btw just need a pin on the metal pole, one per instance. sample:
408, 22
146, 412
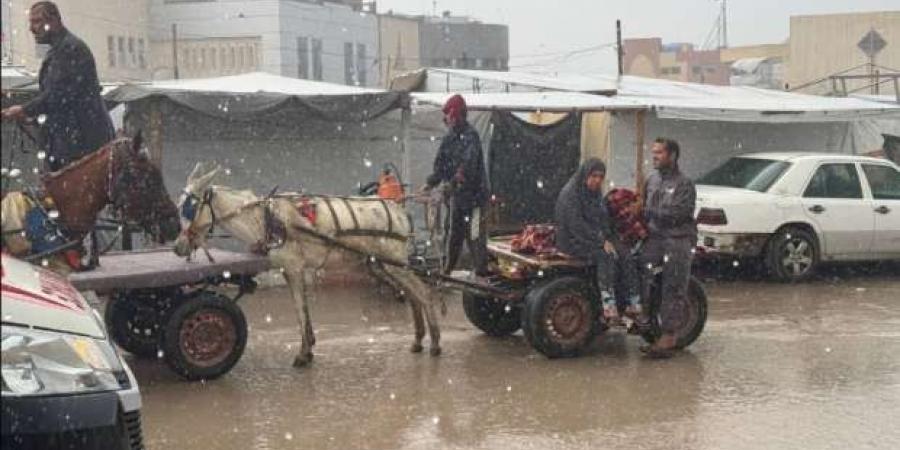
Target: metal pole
619, 50
639, 153
175, 50
724, 24
405, 119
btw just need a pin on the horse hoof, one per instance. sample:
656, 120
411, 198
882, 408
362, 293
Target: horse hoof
303, 361
416, 348
435, 351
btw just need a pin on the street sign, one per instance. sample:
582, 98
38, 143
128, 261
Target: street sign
872, 43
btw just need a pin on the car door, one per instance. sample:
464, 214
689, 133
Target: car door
834, 201
884, 184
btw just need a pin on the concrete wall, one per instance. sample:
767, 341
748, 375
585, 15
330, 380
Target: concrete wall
732, 54
95, 22
212, 57
826, 44
398, 39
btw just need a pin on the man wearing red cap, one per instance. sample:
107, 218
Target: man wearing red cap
460, 163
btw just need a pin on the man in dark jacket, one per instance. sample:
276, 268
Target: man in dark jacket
669, 200
585, 231
68, 106
460, 163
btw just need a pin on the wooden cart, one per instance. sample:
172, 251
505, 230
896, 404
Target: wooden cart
162, 306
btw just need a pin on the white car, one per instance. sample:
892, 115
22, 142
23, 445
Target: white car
795, 210
64, 384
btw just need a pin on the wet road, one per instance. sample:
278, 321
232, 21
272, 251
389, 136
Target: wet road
813, 366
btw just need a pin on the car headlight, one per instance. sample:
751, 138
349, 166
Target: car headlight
45, 363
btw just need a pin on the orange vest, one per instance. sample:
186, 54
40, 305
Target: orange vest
390, 188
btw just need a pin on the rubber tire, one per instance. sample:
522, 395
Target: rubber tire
697, 296
491, 316
774, 250
120, 310
534, 317
173, 355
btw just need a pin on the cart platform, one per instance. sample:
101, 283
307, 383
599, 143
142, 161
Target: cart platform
161, 267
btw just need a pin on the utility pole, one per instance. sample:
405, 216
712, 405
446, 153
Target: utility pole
175, 50
619, 51
723, 40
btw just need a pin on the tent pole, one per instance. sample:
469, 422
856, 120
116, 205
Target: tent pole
405, 119
156, 125
639, 153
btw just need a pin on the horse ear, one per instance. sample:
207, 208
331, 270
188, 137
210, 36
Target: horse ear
205, 180
194, 173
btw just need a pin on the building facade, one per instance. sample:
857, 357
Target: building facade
318, 40
651, 58
117, 32
398, 42
460, 42
824, 45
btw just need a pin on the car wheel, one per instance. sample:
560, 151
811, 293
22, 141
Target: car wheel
792, 254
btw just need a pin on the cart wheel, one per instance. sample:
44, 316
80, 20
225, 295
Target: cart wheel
560, 317
134, 320
695, 315
205, 336
495, 317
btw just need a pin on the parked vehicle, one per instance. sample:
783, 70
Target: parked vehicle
795, 211
64, 385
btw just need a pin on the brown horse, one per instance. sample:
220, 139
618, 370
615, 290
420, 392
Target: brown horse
119, 174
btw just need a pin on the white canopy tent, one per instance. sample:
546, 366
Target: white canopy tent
712, 122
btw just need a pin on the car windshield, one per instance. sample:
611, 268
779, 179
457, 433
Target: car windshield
755, 174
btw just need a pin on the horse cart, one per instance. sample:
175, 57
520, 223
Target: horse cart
554, 299
162, 306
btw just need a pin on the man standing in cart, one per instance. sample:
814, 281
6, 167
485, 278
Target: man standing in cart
68, 106
669, 200
460, 163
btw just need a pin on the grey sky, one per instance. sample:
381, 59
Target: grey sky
539, 27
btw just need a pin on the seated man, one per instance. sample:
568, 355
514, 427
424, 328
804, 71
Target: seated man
585, 231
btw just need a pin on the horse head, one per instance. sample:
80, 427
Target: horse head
139, 193
195, 210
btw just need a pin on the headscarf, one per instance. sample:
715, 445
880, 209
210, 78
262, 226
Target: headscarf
456, 107
590, 202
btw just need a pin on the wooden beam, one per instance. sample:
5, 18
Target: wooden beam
155, 136
640, 124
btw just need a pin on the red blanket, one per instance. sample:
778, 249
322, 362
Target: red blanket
535, 239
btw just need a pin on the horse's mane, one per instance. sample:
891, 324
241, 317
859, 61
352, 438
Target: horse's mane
86, 159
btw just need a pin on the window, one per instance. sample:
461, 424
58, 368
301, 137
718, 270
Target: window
834, 181
710, 70
111, 51
755, 174
231, 58
121, 52
131, 53
142, 58
884, 181
222, 58
317, 59
303, 57
212, 58
203, 62
251, 57
696, 70
240, 58
361, 64
185, 59
349, 74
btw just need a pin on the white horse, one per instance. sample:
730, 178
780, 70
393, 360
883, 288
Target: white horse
372, 229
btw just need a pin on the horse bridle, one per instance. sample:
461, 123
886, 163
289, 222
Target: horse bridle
273, 229
196, 207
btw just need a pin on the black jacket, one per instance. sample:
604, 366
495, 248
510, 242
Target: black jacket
581, 218
669, 202
75, 118
460, 153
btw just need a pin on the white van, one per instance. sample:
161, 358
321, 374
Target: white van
63, 383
